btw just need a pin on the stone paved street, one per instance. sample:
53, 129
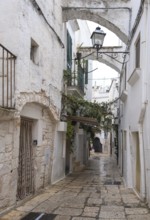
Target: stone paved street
95, 193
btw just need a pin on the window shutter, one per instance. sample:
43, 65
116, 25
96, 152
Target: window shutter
69, 51
137, 55
86, 72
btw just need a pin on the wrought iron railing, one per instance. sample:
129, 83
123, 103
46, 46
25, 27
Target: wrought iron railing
76, 78
7, 78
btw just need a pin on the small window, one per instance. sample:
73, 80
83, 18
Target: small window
137, 53
34, 51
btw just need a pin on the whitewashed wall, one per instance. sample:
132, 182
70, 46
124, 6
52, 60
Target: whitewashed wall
146, 98
23, 23
38, 88
59, 155
135, 115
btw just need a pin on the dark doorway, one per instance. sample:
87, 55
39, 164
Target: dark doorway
68, 152
97, 145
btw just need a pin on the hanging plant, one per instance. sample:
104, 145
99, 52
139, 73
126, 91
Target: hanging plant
70, 130
66, 75
78, 106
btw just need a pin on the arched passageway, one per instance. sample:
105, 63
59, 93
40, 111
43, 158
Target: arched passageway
102, 13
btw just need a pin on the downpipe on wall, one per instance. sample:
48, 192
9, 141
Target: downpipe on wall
142, 157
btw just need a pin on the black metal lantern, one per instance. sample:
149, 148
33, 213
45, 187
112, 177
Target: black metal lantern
98, 38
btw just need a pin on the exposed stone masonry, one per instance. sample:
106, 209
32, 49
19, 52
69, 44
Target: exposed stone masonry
95, 193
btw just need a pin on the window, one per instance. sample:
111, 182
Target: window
34, 51
137, 53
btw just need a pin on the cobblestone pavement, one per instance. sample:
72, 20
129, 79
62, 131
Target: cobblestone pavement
95, 193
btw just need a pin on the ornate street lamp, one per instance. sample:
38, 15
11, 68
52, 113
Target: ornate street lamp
98, 38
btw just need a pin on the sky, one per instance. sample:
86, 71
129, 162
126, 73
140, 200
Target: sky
102, 76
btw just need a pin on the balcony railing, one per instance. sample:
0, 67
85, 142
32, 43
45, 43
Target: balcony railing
76, 79
7, 78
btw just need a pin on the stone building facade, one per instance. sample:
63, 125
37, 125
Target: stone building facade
132, 27
134, 105
33, 42
31, 101
32, 46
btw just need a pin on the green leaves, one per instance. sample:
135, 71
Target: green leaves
78, 106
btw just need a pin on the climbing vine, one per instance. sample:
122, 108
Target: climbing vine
78, 106
70, 130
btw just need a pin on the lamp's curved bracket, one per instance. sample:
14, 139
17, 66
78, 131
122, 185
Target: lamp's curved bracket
115, 55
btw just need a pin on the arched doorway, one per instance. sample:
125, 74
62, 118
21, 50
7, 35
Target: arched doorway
35, 149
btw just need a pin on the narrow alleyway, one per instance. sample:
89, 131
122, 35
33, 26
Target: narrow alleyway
96, 193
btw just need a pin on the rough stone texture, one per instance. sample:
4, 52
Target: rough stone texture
139, 217
41, 99
82, 218
136, 211
37, 82
112, 208
67, 204
90, 211
100, 13
92, 201
96, 3
61, 217
8, 163
102, 58
68, 211
13, 215
111, 214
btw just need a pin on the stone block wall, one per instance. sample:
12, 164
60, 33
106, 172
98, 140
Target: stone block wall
32, 20
37, 82
43, 130
44, 153
9, 137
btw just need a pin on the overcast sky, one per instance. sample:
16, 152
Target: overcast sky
103, 75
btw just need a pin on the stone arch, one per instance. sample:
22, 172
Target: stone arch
106, 18
37, 126
107, 63
39, 99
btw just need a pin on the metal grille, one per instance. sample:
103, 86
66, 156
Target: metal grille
7, 78
25, 169
76, 78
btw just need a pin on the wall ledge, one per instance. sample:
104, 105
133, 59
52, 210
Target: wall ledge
124, 95
134, 76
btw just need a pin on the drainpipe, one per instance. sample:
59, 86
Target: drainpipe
41, 13
142, 161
